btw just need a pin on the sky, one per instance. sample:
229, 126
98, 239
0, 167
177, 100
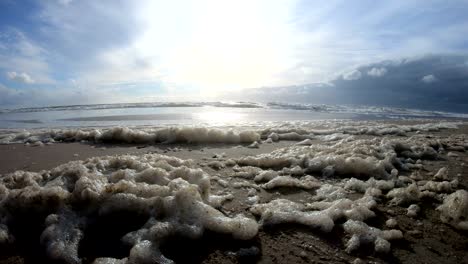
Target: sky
403, 53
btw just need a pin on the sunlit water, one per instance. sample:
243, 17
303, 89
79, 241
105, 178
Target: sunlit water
154, 116
158, 116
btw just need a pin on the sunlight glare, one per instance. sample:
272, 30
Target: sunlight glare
219, 45
219, 116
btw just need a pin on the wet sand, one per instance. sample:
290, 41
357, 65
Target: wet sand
35, 158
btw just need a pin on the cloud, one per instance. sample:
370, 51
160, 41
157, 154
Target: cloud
377, 72
428, 78
20, 77
352, 75
401, 87
176, 44
25, 56
79, 40
33, 96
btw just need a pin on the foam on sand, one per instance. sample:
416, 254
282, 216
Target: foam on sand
319, 215
306, 182
363, 234
174, 197
363, 158
454, 210
339, 176
136, 135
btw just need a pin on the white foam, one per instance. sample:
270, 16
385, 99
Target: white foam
454, 210
322, 216
305, 142
364, 234
175, 197
364, 158
442, 174
246, 172
62, 236
5, 236
136, 135
440, 187
255, 144
413, 210
110, 261
335, 130
404, 195
361, 186
391, 223
306, 182
217, 165
328, 192
265, 175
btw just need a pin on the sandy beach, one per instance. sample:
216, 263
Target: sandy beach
280, 238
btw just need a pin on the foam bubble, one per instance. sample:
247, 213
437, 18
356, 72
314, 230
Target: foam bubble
174, 196
454, 210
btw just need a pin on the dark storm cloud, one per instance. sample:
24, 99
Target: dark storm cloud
429, 82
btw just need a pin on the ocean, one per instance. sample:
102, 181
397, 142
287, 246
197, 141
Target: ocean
199, 114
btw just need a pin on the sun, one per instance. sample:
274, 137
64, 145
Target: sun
217, 46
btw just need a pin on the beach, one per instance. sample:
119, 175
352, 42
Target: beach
289, 208
168, 132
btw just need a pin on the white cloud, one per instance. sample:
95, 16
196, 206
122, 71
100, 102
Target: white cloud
429, 79
352, 75
24, 56
377, 72
20, 77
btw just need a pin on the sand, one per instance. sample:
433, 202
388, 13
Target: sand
426, 238
34, 158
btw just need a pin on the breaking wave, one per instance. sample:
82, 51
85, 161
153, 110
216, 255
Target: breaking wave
268, 132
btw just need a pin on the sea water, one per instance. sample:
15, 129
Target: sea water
163, 114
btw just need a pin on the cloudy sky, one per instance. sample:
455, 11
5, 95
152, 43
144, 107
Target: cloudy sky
78, 52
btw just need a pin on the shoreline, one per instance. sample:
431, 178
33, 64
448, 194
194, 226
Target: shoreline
36, 158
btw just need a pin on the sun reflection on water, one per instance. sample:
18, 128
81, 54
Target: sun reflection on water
220, 116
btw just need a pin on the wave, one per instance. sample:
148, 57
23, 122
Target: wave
131, 105
321, 108
330, 130
366, 110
